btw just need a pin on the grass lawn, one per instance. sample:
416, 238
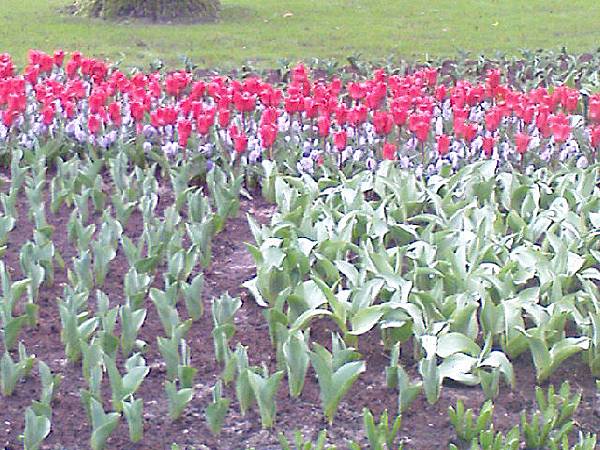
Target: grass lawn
262, 31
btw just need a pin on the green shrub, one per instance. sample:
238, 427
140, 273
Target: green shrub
155, 10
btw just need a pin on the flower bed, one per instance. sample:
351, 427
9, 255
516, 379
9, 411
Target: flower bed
354, 280
421, 120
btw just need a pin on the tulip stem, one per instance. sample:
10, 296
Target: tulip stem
523, 163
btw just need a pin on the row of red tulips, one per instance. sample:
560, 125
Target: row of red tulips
386, 116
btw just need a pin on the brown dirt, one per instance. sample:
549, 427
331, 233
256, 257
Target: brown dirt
424, 426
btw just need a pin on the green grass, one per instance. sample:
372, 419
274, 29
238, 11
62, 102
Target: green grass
263, 31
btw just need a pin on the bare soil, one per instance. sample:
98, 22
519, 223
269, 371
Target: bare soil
424, 426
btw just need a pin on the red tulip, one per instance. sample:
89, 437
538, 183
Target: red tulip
400, 115
522, 142
184, 130
440, 93
69, 110
48, 115
198, 90
383, 122
595, 136
9, 117
71, 69
560, 127
311, 108
571, 102
488, 145
137, 111
356, 90
268, 134
594, 109
244, 101
341, 114
114, 112
299, 73
224, 115
240, 143
422, 131
7, 67
323, 123
94, 124
358, 115
528, 114
292, 103
492, 120
340, 139
389, 151
204, 122
443, 144
493, 78
470, 131
59, 57
431, 76
419, 124
234, 131
269, 115
379, 75
271, 97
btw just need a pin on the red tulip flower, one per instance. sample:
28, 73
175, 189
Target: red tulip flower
204, 122
492, 120
244, 101
224, 115
571, 101
94, 124
528, 114
270, 115
595, 136
198, 90
137, 111
69, 110
48, 115
443, 144
323, 123
440, 93
358, 115
9, 117
422, 131
488, 145
268, 134
311, 108
431, 76
493, 78
356, 90
383, 122
339, 140
341, 114
114, 112
240, 143
522, 142
400, 115
293, 103
58, 58
389, 151
561, 132
470, 131
594, 109
184, 130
